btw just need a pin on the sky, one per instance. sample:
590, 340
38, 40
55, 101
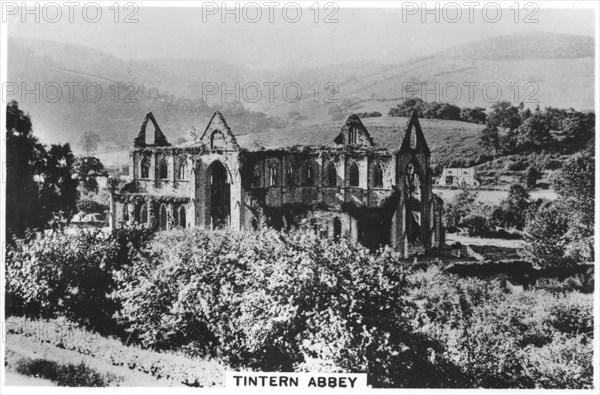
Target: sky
290, 40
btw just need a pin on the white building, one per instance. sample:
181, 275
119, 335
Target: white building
459, 176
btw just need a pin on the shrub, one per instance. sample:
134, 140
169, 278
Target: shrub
280, 301
565, 363
502, 340
168, 365
475, 224
64, 375
70, 274
572, 314
517, 165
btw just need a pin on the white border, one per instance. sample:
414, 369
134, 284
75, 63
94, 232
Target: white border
591, 4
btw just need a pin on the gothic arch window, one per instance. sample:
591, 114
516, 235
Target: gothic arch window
145, 167
217, 140
354, 176
353, 136
377, 176
125, 213
309, 175
163, 169
256, 176
331, 175
163, 217
181, 217
289, 175
412, 186
143, 214
273, 175
182, 169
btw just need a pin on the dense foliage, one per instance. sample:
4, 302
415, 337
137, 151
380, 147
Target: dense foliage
64, 375
41, 184
294, 302
70, 275
275, 301
527, 130
499, 340
561, 233
436, 110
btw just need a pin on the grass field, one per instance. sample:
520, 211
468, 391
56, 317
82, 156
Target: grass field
493, 197
60, 342
16, 350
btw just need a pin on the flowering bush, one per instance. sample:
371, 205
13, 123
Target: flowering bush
279, 301
70, 274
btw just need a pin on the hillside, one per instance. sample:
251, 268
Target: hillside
561, 67
525, 46
115, 110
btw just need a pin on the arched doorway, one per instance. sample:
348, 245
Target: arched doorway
143, 214
163, 217
182, 220
218, 195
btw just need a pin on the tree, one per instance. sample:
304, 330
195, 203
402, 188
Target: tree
474, 115
489, 138
577, 131
534, 133
505, 115
448, 111
532, 176
86, 169
460, 206
562, 232
89, 141
406, 108
59, 189
515, 206
23, 157
546, 237
575, 184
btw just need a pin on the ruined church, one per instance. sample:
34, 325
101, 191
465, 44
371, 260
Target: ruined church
368, 180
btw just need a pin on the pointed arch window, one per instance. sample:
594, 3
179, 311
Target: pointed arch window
256, 176
354, 176
331, 175
163, 169
289, 175
163, 217
182, 170
143, 214
353, 136
273, 175
181, 217
145, 167
377, 176
412, 186
309, 175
